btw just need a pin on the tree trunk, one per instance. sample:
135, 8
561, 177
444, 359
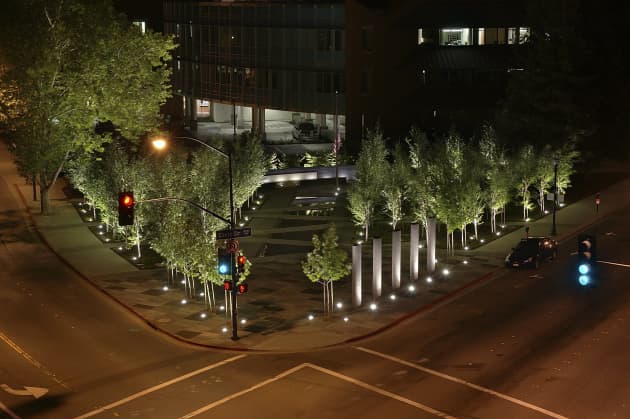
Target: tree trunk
332, 297
325, 300
138, 240
44, 200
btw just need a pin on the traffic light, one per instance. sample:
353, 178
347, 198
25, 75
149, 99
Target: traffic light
126, 204
242, 288
587, 256
227, 285
225, 263
241, 260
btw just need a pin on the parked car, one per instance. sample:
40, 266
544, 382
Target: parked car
531, 251
305, 131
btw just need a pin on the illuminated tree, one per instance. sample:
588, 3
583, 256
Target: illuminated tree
326, 263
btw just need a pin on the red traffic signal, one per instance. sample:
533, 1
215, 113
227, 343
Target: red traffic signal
241, 260
227, 285
126, 205
242, 288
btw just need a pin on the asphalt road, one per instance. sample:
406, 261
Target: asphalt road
527, 344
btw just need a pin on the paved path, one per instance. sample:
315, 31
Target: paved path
276, 310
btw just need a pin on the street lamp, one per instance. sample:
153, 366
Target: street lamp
555, 195
160, 144
336, 142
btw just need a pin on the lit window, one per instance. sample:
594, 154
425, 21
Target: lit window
455, 36
141, 24
523, 35
420, 38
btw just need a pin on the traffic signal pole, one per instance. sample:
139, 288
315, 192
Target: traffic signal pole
160, 144
234, 274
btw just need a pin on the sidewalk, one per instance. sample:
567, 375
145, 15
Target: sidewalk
276, 309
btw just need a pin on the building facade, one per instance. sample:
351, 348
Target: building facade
343, 65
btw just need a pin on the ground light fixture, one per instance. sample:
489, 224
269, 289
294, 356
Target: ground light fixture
339, 305
184, 301
222, 308
445, 272
392, 297
411, 288
345, 319
466, 248
373, 306
243, 321
429, 280
311, 317
224, 329
203, 315
164, 288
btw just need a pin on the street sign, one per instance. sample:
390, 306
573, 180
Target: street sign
231, 246
231, 234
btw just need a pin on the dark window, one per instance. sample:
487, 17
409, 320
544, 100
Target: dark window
366, 82
367, 41
324, 40
275, 79
338, 40
338, 82
323, 82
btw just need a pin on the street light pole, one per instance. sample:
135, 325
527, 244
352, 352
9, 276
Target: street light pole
160, 144
336, 143
555, 195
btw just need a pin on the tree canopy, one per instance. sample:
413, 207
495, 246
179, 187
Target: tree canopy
79, 65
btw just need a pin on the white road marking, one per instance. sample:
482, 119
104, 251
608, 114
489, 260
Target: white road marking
8, 411
613, 263
382, 392
240, 393
463, 382
159, 386
36, 392
325, 371
32, 360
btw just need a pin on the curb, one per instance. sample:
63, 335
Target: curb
477, 282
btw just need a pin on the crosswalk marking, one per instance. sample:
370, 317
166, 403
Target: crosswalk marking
463, 382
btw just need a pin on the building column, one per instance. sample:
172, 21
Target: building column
395, 259
261, 120
414, 240
356, 275
377, 267
431, 238
255, 116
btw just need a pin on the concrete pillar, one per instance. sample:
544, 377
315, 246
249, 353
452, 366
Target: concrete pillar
356, 275
431, 238
261, 120
414, 240
377, 267
396, 259
255, 112
239, 117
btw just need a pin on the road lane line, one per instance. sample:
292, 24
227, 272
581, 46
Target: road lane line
159, 386
463, 382
382, 392
325, 371
8, 411
32, 360
240, 393
613, 263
